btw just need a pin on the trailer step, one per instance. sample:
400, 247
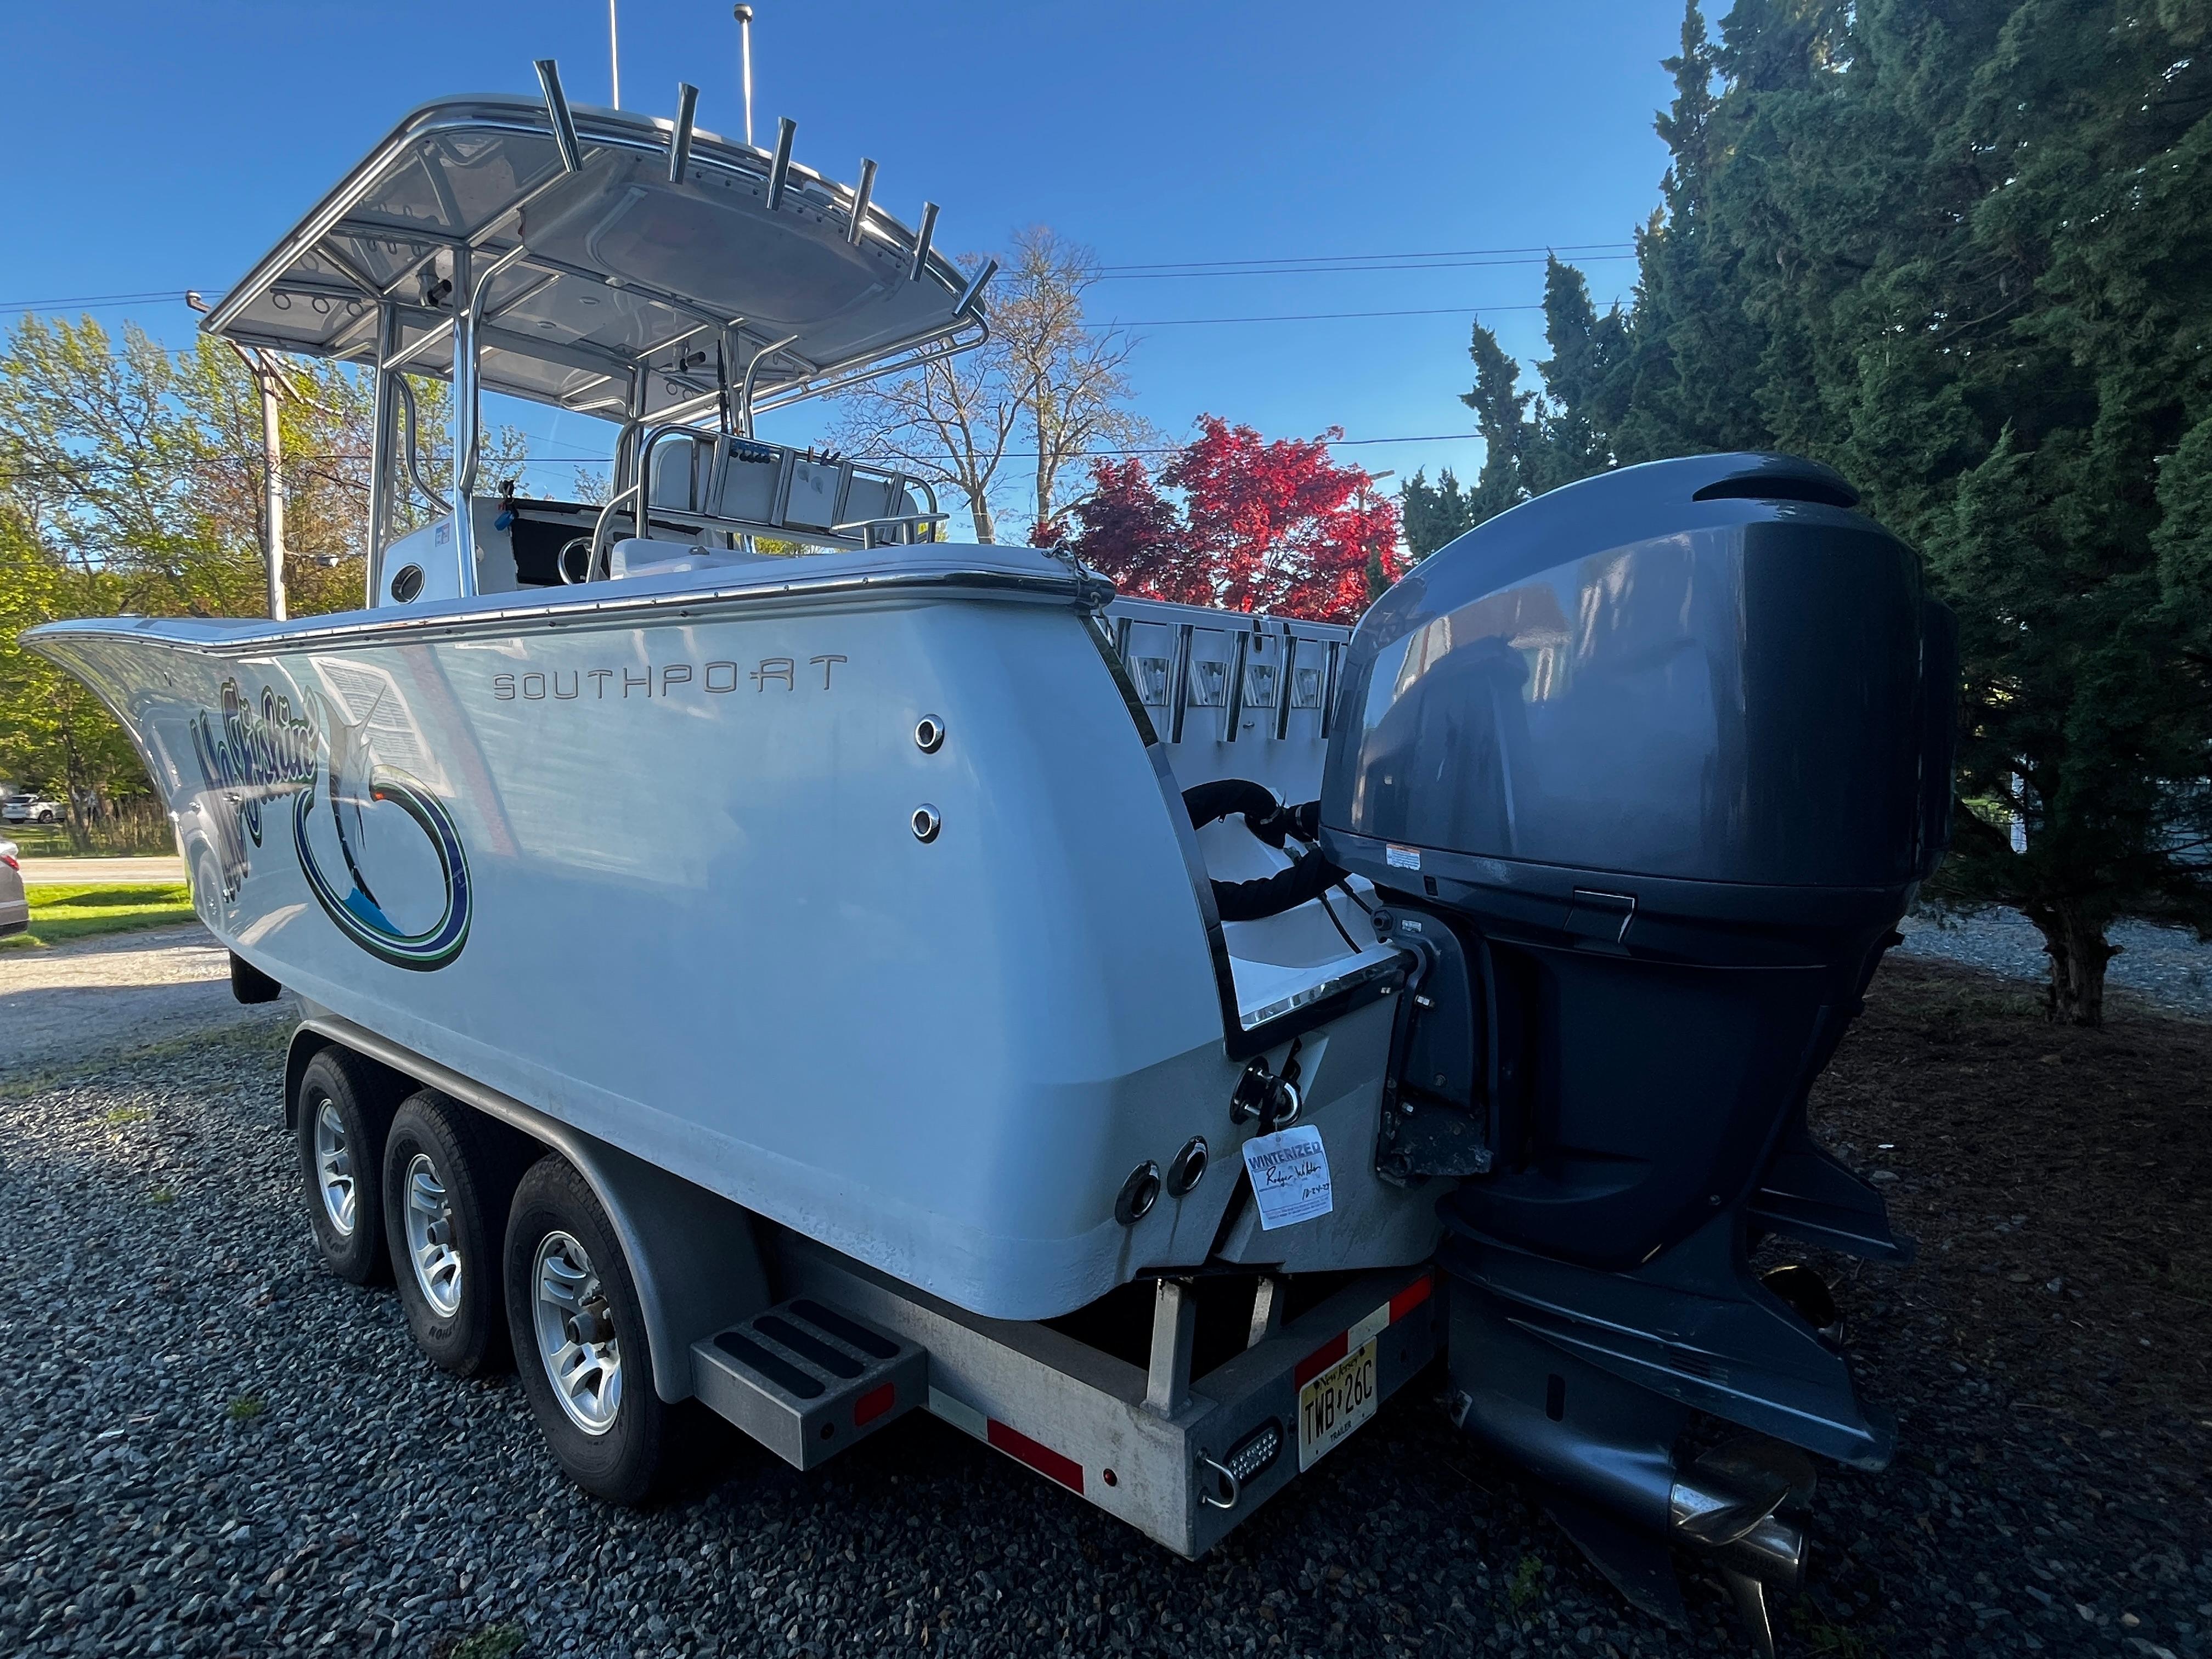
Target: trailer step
807, 1380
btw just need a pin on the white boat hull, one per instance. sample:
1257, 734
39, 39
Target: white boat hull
651, 864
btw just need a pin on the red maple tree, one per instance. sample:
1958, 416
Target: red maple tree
1278, 527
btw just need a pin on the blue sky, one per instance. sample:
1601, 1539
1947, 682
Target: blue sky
157, 146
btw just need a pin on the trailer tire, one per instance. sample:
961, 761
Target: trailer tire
448, 1176
344, 1112
571, 1308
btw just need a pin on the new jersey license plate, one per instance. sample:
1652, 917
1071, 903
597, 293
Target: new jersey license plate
1336, 1403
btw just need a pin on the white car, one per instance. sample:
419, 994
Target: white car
32, 809
14, 911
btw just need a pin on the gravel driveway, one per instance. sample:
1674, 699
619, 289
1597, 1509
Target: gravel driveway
102, 996
2167, 967
215, 1448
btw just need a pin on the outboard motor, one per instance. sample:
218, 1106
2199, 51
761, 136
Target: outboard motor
1647, 769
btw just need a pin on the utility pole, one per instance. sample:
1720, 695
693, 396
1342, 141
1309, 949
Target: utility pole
273, 386
744, 16
272, 469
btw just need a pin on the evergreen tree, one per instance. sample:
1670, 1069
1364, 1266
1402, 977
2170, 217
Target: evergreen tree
1586, 382
1956, 248
1431, 514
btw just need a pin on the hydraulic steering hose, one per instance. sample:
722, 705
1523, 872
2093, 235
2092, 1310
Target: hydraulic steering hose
1270, 821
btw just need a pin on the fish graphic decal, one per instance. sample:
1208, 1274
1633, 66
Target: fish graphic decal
357, 782
254, 756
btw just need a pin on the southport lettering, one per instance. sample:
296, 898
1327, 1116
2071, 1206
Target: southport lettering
667, 679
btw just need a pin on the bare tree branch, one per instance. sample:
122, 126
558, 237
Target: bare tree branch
1044, 374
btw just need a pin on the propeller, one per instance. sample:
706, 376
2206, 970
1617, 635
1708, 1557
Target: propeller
1725, 1502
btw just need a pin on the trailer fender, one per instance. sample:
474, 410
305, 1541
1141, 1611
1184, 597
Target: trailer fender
692, 1254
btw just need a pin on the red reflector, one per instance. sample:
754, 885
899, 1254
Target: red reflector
1411, 1297
1321, 1359
1043, 1459
873, 1404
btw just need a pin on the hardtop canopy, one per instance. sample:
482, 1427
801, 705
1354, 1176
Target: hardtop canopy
622, 264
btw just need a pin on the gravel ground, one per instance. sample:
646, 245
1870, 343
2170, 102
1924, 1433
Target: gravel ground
2167, 967
216, 1448
120, 991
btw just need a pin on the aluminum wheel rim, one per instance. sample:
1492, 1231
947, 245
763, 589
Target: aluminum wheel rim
430, 1238
334, 1167
575, 1331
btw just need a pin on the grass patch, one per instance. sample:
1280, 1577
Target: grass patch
247, 1407
126, 1115
499, 1640
1824, 1636
59, 915
1526, 1587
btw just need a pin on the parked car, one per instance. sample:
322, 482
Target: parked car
15, 908
33, 808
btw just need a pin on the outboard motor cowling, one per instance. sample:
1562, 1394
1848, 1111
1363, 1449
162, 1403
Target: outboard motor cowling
1650, 767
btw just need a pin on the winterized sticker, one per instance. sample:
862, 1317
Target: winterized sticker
1290, 1175
1401, 858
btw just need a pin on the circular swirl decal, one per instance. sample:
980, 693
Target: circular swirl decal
356, 783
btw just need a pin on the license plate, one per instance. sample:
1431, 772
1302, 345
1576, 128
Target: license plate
1336, 1403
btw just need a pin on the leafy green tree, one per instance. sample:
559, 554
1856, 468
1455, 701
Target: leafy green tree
132, 480
1957, 249
55, 737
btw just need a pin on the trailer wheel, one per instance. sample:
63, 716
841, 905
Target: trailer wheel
446, 1182
342, 1114
580, 1341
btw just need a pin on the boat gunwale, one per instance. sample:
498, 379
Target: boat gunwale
375, 628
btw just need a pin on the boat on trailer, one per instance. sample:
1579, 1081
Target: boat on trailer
905, 974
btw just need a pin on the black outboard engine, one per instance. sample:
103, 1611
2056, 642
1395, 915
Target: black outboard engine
1647, 769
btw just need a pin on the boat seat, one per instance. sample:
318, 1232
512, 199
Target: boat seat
638, 555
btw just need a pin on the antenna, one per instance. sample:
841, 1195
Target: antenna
614, 53
744, 16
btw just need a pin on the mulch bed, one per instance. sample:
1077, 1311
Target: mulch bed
2048, 1354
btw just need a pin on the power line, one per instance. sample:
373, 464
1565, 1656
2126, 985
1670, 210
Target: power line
1256, 266
1177, 449
601, 460
1328, 271
1349, 258
1316, 316
177, 294
1268, 265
